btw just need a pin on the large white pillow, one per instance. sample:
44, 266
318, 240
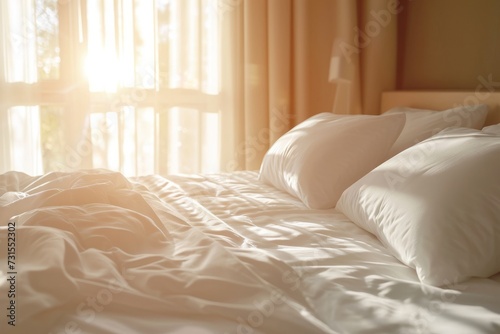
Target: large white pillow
436, 206
322, 156
422, 123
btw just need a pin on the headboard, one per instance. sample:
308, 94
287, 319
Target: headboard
441, 100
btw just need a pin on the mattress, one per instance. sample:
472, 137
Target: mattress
96, 252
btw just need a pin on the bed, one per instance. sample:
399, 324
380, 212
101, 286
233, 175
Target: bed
407, 240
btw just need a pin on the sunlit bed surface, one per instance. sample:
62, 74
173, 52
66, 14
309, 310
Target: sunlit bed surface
96, 252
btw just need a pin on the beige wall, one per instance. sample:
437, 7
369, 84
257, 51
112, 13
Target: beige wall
449, 44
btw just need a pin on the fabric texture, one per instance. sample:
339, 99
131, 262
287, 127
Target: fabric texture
435, 206
319, 158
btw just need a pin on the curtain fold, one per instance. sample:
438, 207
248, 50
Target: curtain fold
284, 49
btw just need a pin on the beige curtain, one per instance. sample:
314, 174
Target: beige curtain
276, 73
278, 60
364, 55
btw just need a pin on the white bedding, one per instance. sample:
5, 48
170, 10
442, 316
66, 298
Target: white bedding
97, 253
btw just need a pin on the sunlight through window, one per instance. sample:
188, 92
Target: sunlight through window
148, 68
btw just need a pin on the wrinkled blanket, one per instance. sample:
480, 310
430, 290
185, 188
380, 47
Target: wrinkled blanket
95, 253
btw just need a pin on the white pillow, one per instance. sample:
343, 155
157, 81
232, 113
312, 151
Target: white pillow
436, 206
322, 156
422, 123
493, 129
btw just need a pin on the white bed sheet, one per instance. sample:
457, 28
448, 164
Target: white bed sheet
96, 253
347, 278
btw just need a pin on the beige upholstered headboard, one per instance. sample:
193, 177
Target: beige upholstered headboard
441, 100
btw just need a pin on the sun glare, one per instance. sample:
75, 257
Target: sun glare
102, 72
165, 50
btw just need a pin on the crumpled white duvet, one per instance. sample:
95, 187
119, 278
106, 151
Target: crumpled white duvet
99, 253
93, 256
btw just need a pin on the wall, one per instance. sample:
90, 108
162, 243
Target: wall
448, 44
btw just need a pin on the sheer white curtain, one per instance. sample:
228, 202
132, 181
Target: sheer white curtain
129, 85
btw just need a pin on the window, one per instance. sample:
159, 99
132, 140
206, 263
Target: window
129, 85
